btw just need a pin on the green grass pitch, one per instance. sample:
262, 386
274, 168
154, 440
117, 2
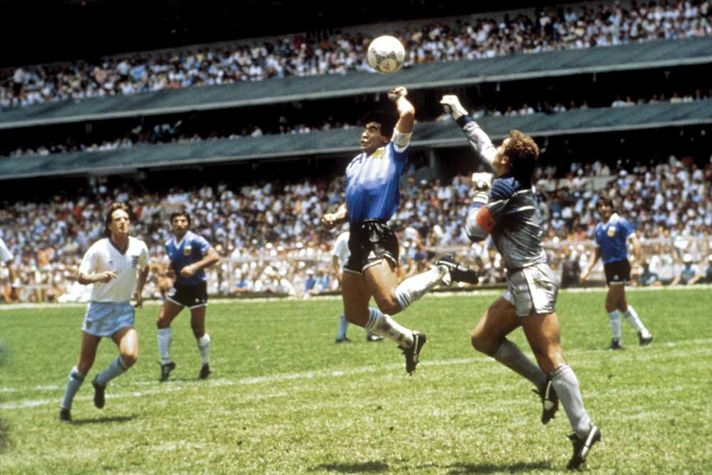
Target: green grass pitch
284, 398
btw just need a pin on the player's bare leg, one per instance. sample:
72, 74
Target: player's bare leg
76, 377
197, 323
168, 311
631, 316
356, 293
614, 297
543, 333
489, 337
126, 340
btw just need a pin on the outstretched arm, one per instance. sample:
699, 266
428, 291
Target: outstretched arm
479, 140
406, 111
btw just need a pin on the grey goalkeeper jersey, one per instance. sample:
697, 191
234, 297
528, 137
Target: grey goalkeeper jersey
517, 231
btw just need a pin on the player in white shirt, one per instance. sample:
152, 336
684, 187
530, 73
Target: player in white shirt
7, 258
340, 256
117, 266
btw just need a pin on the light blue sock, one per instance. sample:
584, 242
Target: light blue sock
115, 368
343, 325
74, 382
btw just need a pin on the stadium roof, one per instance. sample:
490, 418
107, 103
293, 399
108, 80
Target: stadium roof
435, 75
93, 28
344, 142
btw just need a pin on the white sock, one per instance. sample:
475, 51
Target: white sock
165, 337
567, 388
615, 321
204, 347
383, 325
412, 288
631, 316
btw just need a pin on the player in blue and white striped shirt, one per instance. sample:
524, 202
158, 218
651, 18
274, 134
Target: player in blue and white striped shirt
372, 197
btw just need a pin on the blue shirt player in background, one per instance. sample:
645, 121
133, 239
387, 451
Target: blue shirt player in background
612, 236
190, 254
372, 197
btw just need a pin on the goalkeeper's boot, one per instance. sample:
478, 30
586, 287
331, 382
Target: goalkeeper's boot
412, 353
582, 446
166, 369
549, 402
458, 272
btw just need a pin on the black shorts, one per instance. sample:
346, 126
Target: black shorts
191, 296
617, 272
370, 241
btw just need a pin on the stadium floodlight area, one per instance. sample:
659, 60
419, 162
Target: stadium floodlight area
341, 142
628, 57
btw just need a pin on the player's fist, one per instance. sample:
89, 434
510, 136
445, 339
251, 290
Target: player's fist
451, 104
397, 92
482, 181
107, 276
330, 220
187, 271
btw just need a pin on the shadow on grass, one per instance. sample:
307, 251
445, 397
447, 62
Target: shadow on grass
464, 468
363, 467
103, 420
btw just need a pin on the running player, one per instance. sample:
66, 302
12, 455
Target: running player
117, 266
372, 195
190, 254
613, 234
505, 207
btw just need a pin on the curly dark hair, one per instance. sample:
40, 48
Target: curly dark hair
523, 152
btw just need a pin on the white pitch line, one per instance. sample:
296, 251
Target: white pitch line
440, 294
701, 346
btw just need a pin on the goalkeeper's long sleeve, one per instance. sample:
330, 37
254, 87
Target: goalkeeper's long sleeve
479, 141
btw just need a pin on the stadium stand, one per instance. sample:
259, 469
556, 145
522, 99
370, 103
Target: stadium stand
264, 217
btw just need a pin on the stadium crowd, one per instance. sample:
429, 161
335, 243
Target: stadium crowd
271, 241
481, 36
180, 132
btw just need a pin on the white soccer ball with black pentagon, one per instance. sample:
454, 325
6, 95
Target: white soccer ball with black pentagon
386, 54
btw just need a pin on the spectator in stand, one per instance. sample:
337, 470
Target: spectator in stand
481, 36
689, 274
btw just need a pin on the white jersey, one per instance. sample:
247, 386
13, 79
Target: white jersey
103, 256
341, 248
5, 254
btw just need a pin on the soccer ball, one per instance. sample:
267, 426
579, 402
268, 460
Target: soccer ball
386, 54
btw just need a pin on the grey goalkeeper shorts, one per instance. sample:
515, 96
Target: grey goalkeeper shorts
532, 290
